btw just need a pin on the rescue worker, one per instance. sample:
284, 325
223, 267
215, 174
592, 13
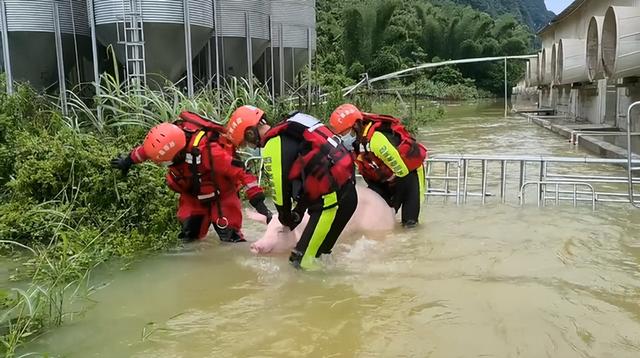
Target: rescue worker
308, 165
204, 172
389, 159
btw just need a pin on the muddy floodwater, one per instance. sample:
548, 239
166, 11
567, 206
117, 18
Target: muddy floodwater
498, 280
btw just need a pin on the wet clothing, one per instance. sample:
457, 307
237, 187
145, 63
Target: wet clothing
208, 179
391, 162
327, 219
308, 165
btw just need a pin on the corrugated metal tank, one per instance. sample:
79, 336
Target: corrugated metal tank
32, 45
163, 31
296, 20
232, 30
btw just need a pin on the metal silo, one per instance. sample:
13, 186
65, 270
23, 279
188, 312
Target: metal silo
294, 39
242, 35
149, 36
43, 41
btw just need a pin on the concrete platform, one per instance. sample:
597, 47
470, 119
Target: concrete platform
567, 127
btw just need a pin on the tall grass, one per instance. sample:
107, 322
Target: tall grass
64, 211
114, 107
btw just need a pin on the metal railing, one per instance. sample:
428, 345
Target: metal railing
577, 134
630, 161
464, 176
474, 176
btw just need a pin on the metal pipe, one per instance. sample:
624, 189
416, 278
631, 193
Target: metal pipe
574, 184
187, 47
522, 173
273, 75
543, 171
309, 40
281, 59
215, 29
60, 59
484, 180
5, 48
506, 104
466, 179
550, 159
578, 135
446, 174
247, 32
209, 65
75, 43
630, 168
589, 180
94, 53
458, 183
503, 181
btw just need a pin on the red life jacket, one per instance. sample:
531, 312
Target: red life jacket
373, 168
196, 174
325, 165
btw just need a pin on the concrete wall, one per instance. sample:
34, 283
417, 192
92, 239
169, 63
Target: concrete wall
602, 102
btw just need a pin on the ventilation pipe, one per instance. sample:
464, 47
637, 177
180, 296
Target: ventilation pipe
571, 65
594, 49
621, 42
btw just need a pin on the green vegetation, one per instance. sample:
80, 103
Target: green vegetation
381, 36
64, 210
534, 13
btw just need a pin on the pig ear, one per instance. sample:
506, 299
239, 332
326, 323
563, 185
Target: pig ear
255, 216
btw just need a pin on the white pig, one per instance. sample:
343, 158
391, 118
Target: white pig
372, 215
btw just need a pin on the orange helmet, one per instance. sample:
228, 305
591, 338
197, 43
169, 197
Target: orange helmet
344, 117
163, 142
241, 119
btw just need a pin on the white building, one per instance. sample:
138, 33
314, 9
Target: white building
589, 65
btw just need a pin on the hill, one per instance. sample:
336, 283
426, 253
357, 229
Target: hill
534, 13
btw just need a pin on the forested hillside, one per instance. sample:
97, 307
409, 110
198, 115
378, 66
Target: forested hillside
532, 12
382, 36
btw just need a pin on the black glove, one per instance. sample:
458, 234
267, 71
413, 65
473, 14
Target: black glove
291, 219
122, 163
258, 204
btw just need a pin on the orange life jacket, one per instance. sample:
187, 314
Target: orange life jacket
196, 174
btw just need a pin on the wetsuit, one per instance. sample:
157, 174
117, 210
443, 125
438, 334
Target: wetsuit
308, 165
385, 171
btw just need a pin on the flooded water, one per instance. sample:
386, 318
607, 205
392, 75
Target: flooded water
471, 281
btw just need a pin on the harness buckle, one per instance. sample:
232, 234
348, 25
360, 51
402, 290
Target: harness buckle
224, 220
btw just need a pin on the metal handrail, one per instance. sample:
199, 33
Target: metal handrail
575, 184
576, 134
630, 167
456, 177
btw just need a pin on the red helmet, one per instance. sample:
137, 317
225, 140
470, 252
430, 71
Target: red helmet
241, 119
163, 142
344, 117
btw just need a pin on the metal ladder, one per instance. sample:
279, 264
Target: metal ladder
630, 161
132, 38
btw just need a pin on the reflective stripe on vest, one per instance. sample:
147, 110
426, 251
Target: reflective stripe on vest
206, 196
306, 120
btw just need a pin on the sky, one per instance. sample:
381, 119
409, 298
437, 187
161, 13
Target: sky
557, 5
